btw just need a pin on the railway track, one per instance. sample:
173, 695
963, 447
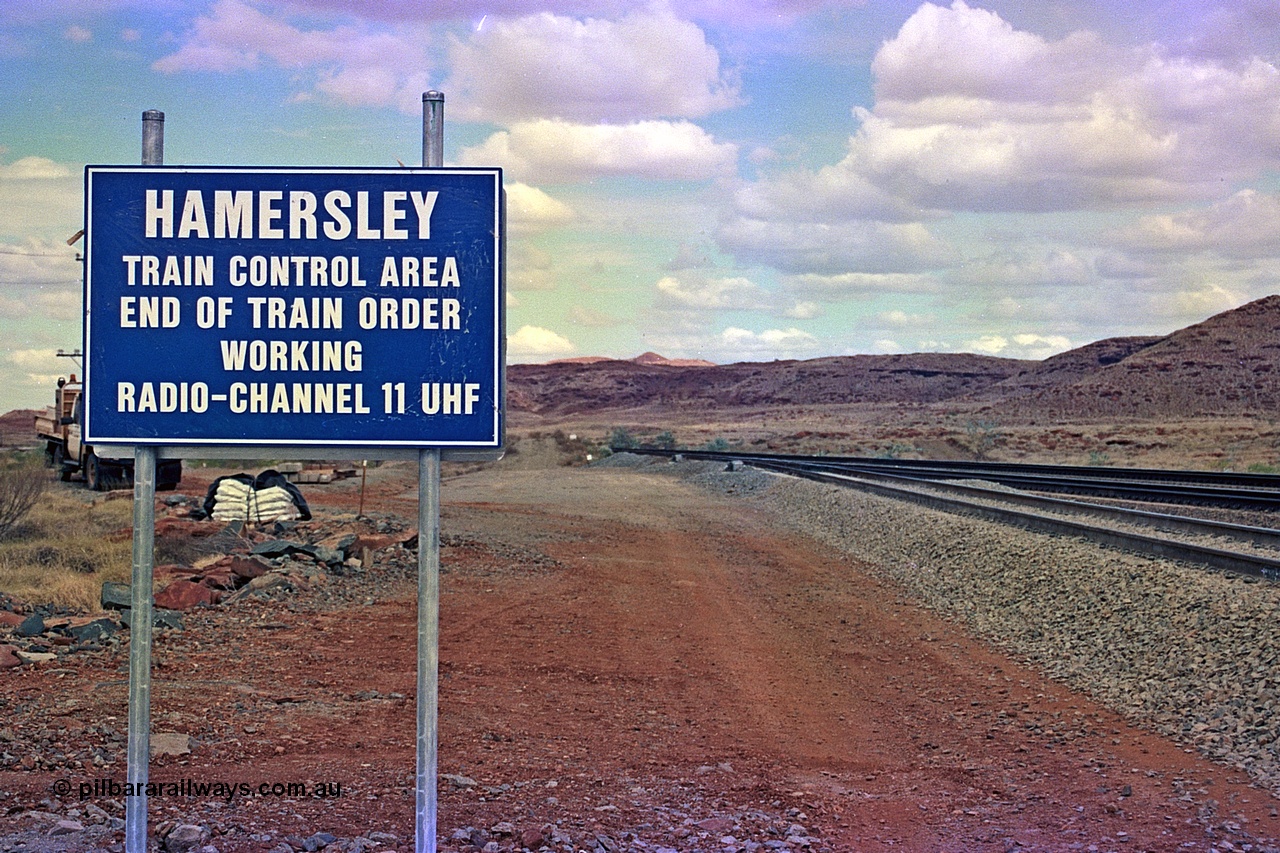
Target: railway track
1238, 548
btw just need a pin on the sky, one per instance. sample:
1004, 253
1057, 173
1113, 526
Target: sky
715, 179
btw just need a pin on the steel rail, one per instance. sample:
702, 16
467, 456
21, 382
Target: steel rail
821, 471
1220, 489
1217, 558
1156, 475
1266, 537
1095, 472
1133, 489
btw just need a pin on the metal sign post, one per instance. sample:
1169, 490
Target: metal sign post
425, 791
138, 756
294, 313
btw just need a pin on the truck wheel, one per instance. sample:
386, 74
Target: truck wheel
168, 475
93, 472
60, 463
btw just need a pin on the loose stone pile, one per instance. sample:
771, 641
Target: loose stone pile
1184, 651
664, 829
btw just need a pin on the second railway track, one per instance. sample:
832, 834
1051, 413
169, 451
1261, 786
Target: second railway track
1242, 549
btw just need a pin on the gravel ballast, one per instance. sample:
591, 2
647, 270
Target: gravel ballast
1186, 652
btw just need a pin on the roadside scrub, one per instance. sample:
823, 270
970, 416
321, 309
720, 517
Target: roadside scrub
62, 549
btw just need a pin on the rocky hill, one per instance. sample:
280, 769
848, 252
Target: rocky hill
17, 428
1064, 368
1226, 365
564, 388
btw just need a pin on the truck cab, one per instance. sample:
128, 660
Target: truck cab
61, 427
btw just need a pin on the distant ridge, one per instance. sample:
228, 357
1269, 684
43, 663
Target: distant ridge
17, 428
1226, 365
651, 358
1065, 368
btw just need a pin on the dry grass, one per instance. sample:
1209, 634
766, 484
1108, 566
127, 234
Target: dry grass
65, 548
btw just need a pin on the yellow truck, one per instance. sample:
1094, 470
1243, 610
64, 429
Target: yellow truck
59, 426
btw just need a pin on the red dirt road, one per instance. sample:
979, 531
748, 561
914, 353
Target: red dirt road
625, 661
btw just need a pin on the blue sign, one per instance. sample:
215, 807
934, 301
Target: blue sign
290, 306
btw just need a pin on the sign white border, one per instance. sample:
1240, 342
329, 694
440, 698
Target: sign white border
455, 449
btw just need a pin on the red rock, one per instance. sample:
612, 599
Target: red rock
535, 837
183, 595
245, 568
222, 578
716, 824
9, 657
378, 541
10, 620
184, 527
173, 570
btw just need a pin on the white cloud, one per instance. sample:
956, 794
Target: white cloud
530, 210
1025, 267
676, 335
553, 151
715, 294
972, 53
1247, 223
41, 204
988, 345
351, 65
28, 376
1041, 346
972, 114
834, 248
33, 358
529, 267
1122, 266
840, 286
833, 193
1022, 345
78, 34
39, 198
803, 311
537, 342
647, 64
592, 318
1193, 303
33, 169
736, 344
689, 257
901, 319
768, 15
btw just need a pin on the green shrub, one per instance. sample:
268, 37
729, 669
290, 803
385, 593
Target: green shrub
983, 436
622, 439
